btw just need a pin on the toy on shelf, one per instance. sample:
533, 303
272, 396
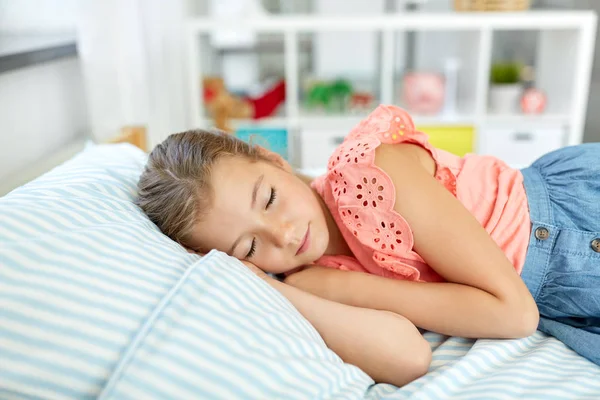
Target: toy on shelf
533, 100
341, 90
423, 92
318, 95
223, 106
266, 104
361, 101
329, 96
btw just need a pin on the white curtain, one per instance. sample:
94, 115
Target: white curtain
132, 54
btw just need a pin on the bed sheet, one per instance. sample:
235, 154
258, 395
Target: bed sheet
537, 367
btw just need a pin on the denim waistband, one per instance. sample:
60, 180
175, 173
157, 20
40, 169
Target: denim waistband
540, 212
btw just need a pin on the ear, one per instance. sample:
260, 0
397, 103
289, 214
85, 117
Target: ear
275, 159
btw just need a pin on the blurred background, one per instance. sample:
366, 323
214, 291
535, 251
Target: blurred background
511, 78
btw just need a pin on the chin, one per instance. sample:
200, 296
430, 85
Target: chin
319, 248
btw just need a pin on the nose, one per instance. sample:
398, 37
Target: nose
282, 234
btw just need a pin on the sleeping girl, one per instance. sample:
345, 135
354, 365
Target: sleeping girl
397, 235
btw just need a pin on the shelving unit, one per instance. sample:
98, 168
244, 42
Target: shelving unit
563, 61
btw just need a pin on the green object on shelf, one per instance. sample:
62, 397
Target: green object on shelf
505, 73
341, 88
332, 96
319, 95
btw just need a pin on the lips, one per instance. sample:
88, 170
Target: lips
305, 242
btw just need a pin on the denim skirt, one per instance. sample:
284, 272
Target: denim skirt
562, 266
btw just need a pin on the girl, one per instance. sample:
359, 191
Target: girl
473, 247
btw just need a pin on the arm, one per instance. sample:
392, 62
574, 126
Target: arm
484, 296
384, 345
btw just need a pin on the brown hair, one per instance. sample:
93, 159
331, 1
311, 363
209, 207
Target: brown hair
174, 190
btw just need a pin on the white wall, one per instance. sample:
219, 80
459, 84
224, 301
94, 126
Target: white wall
592, 123
130, 70
41, 109
358, 51
38, 15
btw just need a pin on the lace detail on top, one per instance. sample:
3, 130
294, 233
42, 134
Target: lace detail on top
361, 199
389, 125
365, 195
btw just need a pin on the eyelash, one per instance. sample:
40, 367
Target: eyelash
252, 249
269, 203
272, 198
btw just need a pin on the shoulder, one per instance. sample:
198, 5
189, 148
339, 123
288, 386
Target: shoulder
400, 157
387, 133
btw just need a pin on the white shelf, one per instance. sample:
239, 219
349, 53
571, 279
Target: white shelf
402, 21
326, 120
350, 120
272, 122
524, 119
563, 61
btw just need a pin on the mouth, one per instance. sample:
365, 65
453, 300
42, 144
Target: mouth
305, 242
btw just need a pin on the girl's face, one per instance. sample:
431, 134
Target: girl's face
262, 213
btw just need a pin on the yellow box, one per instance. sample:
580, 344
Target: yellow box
458, 140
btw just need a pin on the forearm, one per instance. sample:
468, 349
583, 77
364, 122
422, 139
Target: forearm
386, 346
447, 308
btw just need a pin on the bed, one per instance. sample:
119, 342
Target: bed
96, 303
537, 367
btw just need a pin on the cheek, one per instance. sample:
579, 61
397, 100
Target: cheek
273, 261
303, 199
314, 208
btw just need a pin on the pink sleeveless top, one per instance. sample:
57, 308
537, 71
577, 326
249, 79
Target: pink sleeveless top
361, 198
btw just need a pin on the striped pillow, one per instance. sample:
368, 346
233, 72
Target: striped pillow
95, 301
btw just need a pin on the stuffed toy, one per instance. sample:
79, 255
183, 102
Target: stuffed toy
223, 106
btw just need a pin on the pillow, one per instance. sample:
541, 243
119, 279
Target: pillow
96, 302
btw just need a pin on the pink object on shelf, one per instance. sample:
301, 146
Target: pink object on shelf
533, 101
423, 92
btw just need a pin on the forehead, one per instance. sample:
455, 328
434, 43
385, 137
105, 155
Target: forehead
232, 181
229, 171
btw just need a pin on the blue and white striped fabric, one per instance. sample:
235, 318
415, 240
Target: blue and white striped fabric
96, 302
537, 367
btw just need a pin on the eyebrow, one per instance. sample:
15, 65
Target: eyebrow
255, 190
253, 203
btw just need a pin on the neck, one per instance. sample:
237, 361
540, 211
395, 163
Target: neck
337, 244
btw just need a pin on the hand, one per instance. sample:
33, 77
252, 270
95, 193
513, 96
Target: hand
192, 251
259, 272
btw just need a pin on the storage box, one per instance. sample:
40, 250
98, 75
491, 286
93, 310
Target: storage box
274, 139
458, 140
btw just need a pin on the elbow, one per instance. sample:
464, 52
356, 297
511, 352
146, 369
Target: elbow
420, 361
410, 355
530, 318
524, 319
412, 366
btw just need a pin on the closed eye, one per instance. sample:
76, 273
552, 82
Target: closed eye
271, 198
252, 249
